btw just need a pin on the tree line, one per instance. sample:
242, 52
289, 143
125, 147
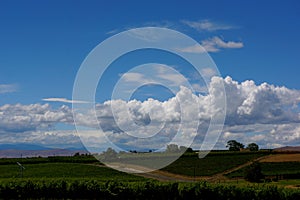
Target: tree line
233, 145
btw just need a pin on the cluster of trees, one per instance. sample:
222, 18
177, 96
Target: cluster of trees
111, 155
233, 145
174, 148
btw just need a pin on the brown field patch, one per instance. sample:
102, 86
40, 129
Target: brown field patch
282, 158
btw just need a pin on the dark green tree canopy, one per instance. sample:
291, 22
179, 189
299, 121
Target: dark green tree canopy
233, 145
253, 173
186, 149
252, 147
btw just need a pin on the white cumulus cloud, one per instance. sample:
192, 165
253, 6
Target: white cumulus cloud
213, 44
207, 25
266, 114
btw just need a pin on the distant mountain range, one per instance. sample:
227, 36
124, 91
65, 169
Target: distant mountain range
22, 146
288, 148
32, 150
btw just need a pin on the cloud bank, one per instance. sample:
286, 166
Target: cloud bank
266, 114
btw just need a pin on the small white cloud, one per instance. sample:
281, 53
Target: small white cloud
63, 100
197, 49
112, 32
133, 77
226, 45
175, 79
227, 135
152, 74
214, 44
7, 88
207, 25
147, 34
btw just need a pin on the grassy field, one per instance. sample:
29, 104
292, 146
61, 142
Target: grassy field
50, 159
84, 166
85, 177
189, 164
213, 163
65, 170
272, 169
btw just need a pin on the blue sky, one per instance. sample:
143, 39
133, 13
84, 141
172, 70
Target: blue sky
40, 41
42, 45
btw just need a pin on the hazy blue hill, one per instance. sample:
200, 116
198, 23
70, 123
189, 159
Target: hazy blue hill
22, 146
33, 150
288, 148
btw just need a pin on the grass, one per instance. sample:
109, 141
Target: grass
76, 178
272, 169
189, 164
280, 168
294, 182
212, 164
65, 170
62, 159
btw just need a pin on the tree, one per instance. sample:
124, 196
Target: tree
110, 154
252, 147
189, 150
186, 149
172, 148
77, 154
233, 145
253, 173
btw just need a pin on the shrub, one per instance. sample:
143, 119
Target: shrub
253, 173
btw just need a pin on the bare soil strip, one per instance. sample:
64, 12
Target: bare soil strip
282, 158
